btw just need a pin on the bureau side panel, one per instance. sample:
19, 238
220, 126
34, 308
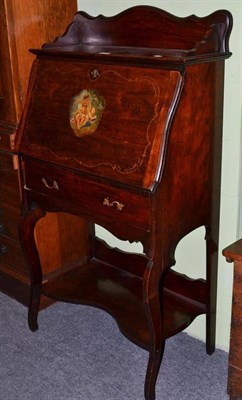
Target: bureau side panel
190, 186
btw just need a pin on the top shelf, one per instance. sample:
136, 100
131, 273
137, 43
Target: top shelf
145, 31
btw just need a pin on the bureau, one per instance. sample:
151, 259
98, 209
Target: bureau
123, 127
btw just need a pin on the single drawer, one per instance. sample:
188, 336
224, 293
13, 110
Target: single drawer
11, 255
92, 198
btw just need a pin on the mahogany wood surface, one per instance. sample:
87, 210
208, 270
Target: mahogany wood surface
141, 98
233, 253
87, 284
26, 24
123, 127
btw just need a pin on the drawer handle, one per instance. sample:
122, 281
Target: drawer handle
119, 206
3, 249
54, 185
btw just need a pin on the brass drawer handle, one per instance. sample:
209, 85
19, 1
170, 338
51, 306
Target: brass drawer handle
119, 206
54, 185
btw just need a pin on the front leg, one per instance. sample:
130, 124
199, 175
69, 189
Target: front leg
155, 359
154, 314
28, 220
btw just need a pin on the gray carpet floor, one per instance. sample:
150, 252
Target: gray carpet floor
78, 353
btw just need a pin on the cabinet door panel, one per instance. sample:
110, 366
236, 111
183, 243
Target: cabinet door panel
23, 25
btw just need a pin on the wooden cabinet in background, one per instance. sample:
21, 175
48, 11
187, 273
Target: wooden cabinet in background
26, 24
233, 254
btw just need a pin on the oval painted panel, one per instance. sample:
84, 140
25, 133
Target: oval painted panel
86, 110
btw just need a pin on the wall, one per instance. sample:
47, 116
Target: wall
231, 156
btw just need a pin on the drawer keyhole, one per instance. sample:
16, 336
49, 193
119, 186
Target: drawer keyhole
94, 74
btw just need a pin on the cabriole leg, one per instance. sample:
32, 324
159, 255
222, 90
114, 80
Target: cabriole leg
154, 307
34, 302
154, 363
28, 220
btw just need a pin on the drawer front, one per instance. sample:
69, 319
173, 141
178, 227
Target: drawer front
9, 220
92, 198
12, 256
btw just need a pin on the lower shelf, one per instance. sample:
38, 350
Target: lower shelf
121, 294
19, 290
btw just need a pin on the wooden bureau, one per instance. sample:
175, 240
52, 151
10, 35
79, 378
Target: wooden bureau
25, 24
233, 254
123, 127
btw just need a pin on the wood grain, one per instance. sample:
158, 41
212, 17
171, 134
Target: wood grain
148, 170
26, 24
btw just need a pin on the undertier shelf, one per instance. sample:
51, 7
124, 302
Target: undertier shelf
121, 294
